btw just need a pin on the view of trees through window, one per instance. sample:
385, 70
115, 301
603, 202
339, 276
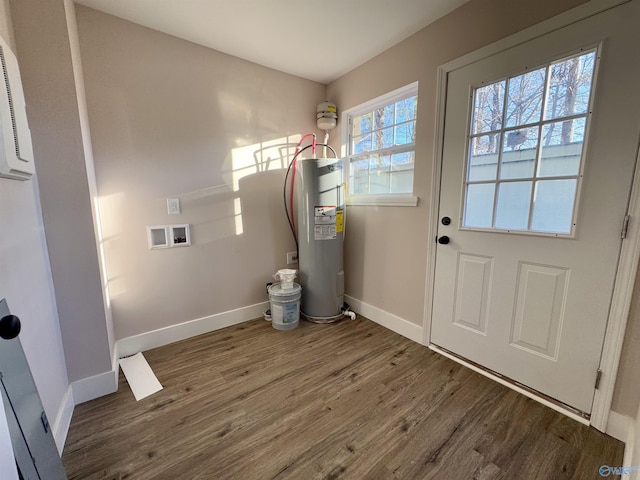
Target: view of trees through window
525, 147
381, 148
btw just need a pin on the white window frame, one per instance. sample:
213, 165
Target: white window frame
390, 199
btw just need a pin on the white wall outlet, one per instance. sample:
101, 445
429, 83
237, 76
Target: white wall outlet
292, 257
173, 206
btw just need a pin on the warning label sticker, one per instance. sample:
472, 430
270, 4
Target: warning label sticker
324, 225
339, 220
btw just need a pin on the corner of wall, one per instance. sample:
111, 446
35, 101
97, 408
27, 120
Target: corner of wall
63, 420
388, 320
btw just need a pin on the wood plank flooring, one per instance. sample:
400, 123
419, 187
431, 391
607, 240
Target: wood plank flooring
345, 401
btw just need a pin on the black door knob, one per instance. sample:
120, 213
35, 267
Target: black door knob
9, 327
443, 240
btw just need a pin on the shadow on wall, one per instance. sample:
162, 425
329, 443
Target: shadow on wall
254, 172
248, 207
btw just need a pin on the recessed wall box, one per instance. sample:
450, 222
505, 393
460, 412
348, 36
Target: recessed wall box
16, 151
158, 237
180, 235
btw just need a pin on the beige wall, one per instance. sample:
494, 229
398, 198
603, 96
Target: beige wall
173, 119
44, 51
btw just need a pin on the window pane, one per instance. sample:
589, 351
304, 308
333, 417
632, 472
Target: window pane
388, 129
405, 133
553, 206
359, 166
382, 138
383, 117
402, 172
379, 167
379, 162
519, 153
402, 161
360, 185
570, 86
512, 210
483, 157
402, 181
561, 148
488, 104
406, 109
478, 210
361, 144
524, 98
362, 124
359, 173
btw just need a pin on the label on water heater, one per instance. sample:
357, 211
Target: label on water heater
339, 220
324, 225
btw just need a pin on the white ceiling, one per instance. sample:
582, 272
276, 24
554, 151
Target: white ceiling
315, 39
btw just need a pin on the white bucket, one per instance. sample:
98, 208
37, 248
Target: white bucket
285, 306
285, 277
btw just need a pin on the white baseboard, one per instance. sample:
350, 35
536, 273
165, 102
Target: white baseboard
62, 422
174, 333
93, 387
619, 426
386, 319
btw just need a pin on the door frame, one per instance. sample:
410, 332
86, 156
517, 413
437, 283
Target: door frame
630, 250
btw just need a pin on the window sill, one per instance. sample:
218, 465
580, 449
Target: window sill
383, 200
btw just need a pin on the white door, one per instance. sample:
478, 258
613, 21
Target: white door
539, 153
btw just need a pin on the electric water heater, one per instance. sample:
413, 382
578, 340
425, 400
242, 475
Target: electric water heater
319, 196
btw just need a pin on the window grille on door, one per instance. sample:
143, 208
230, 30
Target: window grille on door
526, 146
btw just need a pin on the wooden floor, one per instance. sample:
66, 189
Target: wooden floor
345, 401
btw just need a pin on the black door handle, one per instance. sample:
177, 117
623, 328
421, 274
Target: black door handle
9, 327
443, 240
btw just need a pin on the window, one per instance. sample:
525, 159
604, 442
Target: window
525, 148
381, 149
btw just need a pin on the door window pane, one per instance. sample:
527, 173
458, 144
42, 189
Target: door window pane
483, 158
553, 206
479, 205
561, 148
488, 104
570, 86
519, 151
524, 98
536, 145
512, 211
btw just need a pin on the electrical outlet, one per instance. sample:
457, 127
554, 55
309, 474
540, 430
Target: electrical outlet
292, 257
